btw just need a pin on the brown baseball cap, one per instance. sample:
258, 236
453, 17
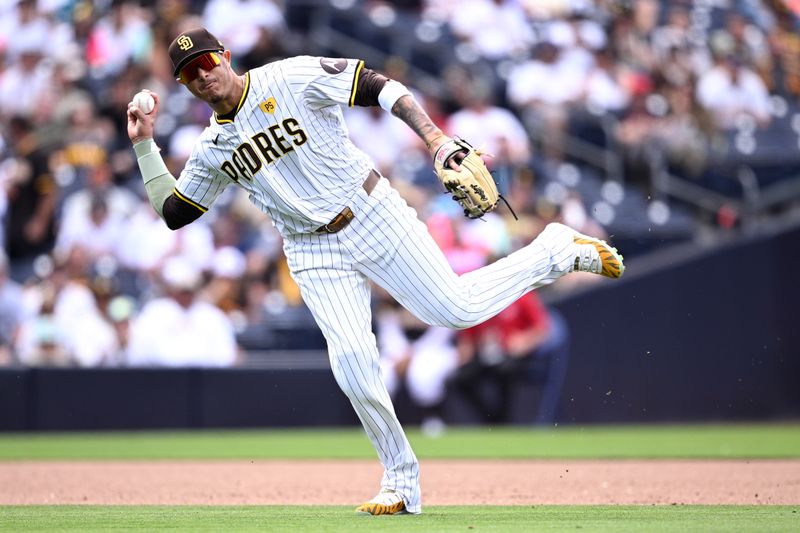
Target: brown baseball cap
191, 44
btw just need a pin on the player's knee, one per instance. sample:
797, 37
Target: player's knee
453, 322
458, 318
461, 314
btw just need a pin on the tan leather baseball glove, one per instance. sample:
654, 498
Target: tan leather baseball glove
473, 186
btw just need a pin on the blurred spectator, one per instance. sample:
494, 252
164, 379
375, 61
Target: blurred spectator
98, 233
120, 311
42, 340
94, 216
86, 145
785, 44
225, 288
25, 84
511, 347
496, 29
88, 337
179, 329
27, 25
604, 90
632, 34
382, 136
251, 29
491, 128
32, 195
749, 44
731, 90
146, 243
675, 40
687, 132
181, 143
545, 87
120, 37
670, 126
464, 255
67, 326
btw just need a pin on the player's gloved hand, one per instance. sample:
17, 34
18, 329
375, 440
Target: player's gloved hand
141, 125
464, 174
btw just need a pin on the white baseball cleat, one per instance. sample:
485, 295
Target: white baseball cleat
387, 502
590, 254
597, 256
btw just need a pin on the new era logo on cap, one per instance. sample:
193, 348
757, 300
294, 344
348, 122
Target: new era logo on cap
191, 44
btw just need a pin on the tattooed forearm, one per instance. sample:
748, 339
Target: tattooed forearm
407, 110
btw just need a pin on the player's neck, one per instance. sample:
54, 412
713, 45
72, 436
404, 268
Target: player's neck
232, 99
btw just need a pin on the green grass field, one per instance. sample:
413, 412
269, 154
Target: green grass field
710, 441
707, 441
498, 519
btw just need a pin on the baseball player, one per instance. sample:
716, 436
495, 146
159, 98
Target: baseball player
278, 132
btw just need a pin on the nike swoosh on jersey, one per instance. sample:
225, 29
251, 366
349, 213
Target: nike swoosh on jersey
215, 139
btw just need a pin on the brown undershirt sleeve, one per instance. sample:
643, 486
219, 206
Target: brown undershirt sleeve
369, 87
178, 213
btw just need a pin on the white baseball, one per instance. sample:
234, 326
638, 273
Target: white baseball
144, 101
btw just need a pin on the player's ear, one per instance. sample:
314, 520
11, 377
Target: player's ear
227, 55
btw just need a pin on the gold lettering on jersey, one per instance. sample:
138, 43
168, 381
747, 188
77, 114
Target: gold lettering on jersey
185, 42
268, 106
264, 147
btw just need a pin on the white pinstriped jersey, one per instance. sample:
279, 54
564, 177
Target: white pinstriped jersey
287, 145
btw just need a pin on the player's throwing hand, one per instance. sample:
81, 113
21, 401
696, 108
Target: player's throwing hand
140, 125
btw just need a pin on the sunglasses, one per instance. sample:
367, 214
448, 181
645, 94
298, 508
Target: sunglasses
205, 61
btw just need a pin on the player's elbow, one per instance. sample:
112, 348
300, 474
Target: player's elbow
175, 224
178, 213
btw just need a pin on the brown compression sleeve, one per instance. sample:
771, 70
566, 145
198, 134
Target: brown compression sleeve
369, 86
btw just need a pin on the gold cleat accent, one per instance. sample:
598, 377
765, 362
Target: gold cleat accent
611, 265
385, 503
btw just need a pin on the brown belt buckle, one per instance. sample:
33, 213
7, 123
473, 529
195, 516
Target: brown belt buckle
338, 223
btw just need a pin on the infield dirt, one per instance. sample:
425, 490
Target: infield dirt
445, 482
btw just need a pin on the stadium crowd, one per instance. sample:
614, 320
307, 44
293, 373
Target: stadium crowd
91, 277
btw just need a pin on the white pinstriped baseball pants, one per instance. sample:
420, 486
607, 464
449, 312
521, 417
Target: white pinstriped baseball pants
386, 243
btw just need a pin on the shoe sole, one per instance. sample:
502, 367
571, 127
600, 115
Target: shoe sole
609, 256
377, 509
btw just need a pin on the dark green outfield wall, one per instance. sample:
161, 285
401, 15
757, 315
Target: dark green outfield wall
715, 337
